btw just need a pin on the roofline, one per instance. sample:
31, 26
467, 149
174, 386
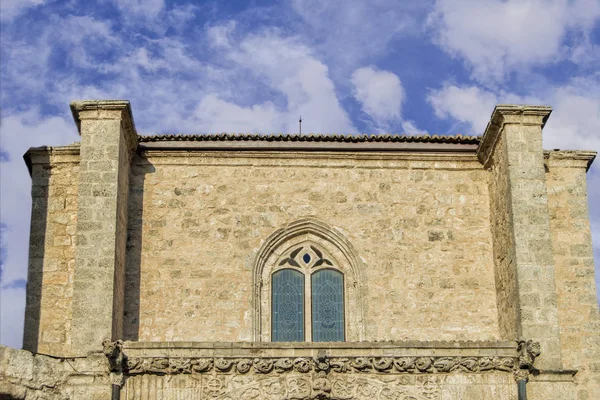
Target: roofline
307, 146
311, 138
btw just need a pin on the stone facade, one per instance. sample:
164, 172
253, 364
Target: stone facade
467, 265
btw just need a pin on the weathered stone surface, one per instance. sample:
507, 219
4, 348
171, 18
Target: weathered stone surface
24, 375
573, 257
198, 220
464, 269
48, 312
512, 148
107, 138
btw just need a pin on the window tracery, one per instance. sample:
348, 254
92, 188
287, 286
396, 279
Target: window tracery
331, 271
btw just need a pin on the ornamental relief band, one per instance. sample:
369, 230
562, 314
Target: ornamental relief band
296, 387
415, 365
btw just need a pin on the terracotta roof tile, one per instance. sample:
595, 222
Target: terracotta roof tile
312, 137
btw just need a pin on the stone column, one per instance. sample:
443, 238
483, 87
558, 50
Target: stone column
511, 149
108, 139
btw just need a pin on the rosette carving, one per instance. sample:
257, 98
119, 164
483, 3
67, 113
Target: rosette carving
283, 365
382, 364
404, 364
361, 363
444, 364
339, 364
263, 366
302, 365
180, 366
223, 364
243, 366
423, 363
202, 364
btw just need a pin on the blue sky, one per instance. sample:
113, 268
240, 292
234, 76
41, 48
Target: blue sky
347, 66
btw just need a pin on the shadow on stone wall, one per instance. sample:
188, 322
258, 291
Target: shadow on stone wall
40, 177
139, 169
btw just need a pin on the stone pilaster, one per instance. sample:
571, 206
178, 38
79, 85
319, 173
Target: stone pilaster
573, 259
108, 138
511, 149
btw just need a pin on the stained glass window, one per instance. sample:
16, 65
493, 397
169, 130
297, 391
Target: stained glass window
288, 306
327, 288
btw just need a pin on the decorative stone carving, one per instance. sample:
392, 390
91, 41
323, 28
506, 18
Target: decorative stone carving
294, 386
114, 352
304, 365
528, 351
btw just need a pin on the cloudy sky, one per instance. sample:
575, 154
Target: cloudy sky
346, 65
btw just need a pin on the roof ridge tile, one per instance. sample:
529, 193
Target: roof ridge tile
313, 137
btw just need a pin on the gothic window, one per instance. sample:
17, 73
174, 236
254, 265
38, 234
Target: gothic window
327, 306
324, 291
308, 286
288, 306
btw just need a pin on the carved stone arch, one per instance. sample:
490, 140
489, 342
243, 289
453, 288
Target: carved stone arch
308, 231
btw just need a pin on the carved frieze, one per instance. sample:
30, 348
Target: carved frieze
292, 386
407, 365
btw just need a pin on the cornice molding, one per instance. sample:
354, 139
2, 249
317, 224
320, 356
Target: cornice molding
107, 109
505, 114
569, 158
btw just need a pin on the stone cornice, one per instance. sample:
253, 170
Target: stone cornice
321, 159
105, 109
569, 158
48, 154
505, 114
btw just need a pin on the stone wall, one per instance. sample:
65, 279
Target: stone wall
419, 222
24, 375
48, 315
573, 257
504, 243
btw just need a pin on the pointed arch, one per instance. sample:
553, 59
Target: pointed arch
318, 234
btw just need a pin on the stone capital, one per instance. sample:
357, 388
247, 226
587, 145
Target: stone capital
106, 110
505, 114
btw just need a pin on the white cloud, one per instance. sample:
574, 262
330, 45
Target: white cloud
348, 31
409, 128
140, 8
216, 115
464, 104
381, 96
380, 93
496, 37
10, 9
220, 35
288, 66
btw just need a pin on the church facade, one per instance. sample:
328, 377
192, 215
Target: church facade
308, 266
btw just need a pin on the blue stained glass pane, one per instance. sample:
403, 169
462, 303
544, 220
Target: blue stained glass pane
287, 306
327, 306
